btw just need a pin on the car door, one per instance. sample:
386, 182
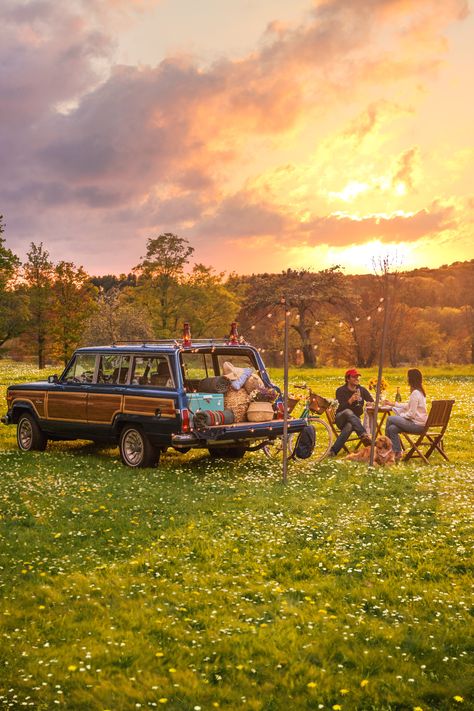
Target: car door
66, 407
105, 399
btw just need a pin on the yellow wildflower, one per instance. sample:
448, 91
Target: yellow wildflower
163, 701
459, 699
343, 691
336, 707
311, 684
72, 667
364, 683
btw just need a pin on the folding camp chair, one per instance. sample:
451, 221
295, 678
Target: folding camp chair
432, 435
353, 437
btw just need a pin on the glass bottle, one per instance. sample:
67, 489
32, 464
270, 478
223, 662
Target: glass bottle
398, 397
186, 334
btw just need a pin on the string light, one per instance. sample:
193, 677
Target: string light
341, 324
333, 339
379, 309
368, 318
357, 318
252, 328
269, 315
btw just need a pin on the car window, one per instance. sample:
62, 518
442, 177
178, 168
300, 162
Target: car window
81, 369
152, 371
197, 366
238, 360
113, 369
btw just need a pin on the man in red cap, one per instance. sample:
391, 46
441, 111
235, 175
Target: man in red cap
351, 397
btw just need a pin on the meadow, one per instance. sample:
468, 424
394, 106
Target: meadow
205, 584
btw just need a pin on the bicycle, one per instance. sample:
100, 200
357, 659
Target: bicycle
313, 406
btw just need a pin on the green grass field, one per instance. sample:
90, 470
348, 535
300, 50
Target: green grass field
206, 584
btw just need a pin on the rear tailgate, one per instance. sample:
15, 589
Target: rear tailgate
238, 432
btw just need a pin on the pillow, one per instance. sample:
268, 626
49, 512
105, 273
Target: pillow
253, 383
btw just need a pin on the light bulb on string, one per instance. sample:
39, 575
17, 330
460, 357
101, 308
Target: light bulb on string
357, 318
252, 328
269, 315
379, 309
352, 329
381, 299
341, 324
333, 339
368, 318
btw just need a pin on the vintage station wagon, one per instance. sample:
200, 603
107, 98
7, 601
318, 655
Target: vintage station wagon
141, 396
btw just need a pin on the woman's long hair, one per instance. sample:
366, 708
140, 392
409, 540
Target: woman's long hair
415, 380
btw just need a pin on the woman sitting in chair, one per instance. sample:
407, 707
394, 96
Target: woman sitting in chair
409, 416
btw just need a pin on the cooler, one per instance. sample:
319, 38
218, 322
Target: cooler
205, 401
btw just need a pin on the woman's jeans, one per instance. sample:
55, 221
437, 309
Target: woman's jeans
347, 422
396, 424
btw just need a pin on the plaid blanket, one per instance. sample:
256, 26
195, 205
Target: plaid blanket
209, 418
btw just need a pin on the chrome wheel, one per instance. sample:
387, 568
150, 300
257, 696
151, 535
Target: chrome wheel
25, 434
136, 450
29, 435
133, 447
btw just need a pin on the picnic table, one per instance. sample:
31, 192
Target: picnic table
383, 413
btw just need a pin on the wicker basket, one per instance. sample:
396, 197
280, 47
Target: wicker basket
292, 403
260, 412
238, 402
318, 404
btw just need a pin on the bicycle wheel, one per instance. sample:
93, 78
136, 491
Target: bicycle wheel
274, 449
324, 438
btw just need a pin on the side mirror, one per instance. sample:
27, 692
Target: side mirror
53, 379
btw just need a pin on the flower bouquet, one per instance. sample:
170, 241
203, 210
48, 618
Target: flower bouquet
263, 394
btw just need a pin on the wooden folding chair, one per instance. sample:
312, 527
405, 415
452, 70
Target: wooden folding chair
353, 437
432, 435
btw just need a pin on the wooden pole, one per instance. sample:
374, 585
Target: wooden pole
285, 395
381, 360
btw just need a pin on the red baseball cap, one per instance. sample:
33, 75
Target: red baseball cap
353, 372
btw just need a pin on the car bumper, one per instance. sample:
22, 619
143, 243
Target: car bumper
231, 434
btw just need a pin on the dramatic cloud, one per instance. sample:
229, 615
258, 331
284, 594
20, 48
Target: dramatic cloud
177, 146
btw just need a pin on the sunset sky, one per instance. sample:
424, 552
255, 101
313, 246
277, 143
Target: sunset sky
269, 133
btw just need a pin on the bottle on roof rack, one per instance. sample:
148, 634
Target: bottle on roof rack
186, 335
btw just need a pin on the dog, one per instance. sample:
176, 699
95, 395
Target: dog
384, 455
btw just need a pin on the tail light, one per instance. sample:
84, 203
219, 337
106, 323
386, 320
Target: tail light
185, 422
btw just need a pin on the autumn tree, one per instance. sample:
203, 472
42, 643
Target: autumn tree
310, 296
38, 275
12, 302
117, 318
73, 299
161, 273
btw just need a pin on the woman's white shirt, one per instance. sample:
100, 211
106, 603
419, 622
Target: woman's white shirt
414, 409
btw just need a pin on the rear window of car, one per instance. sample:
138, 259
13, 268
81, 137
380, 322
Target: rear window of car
152, 371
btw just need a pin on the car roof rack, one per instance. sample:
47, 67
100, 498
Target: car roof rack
174, 342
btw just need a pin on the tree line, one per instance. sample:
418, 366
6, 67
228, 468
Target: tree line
48, 309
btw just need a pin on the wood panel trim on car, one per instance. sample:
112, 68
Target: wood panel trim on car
137, 405
35, 398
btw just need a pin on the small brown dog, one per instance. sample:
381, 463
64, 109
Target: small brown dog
384, 455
